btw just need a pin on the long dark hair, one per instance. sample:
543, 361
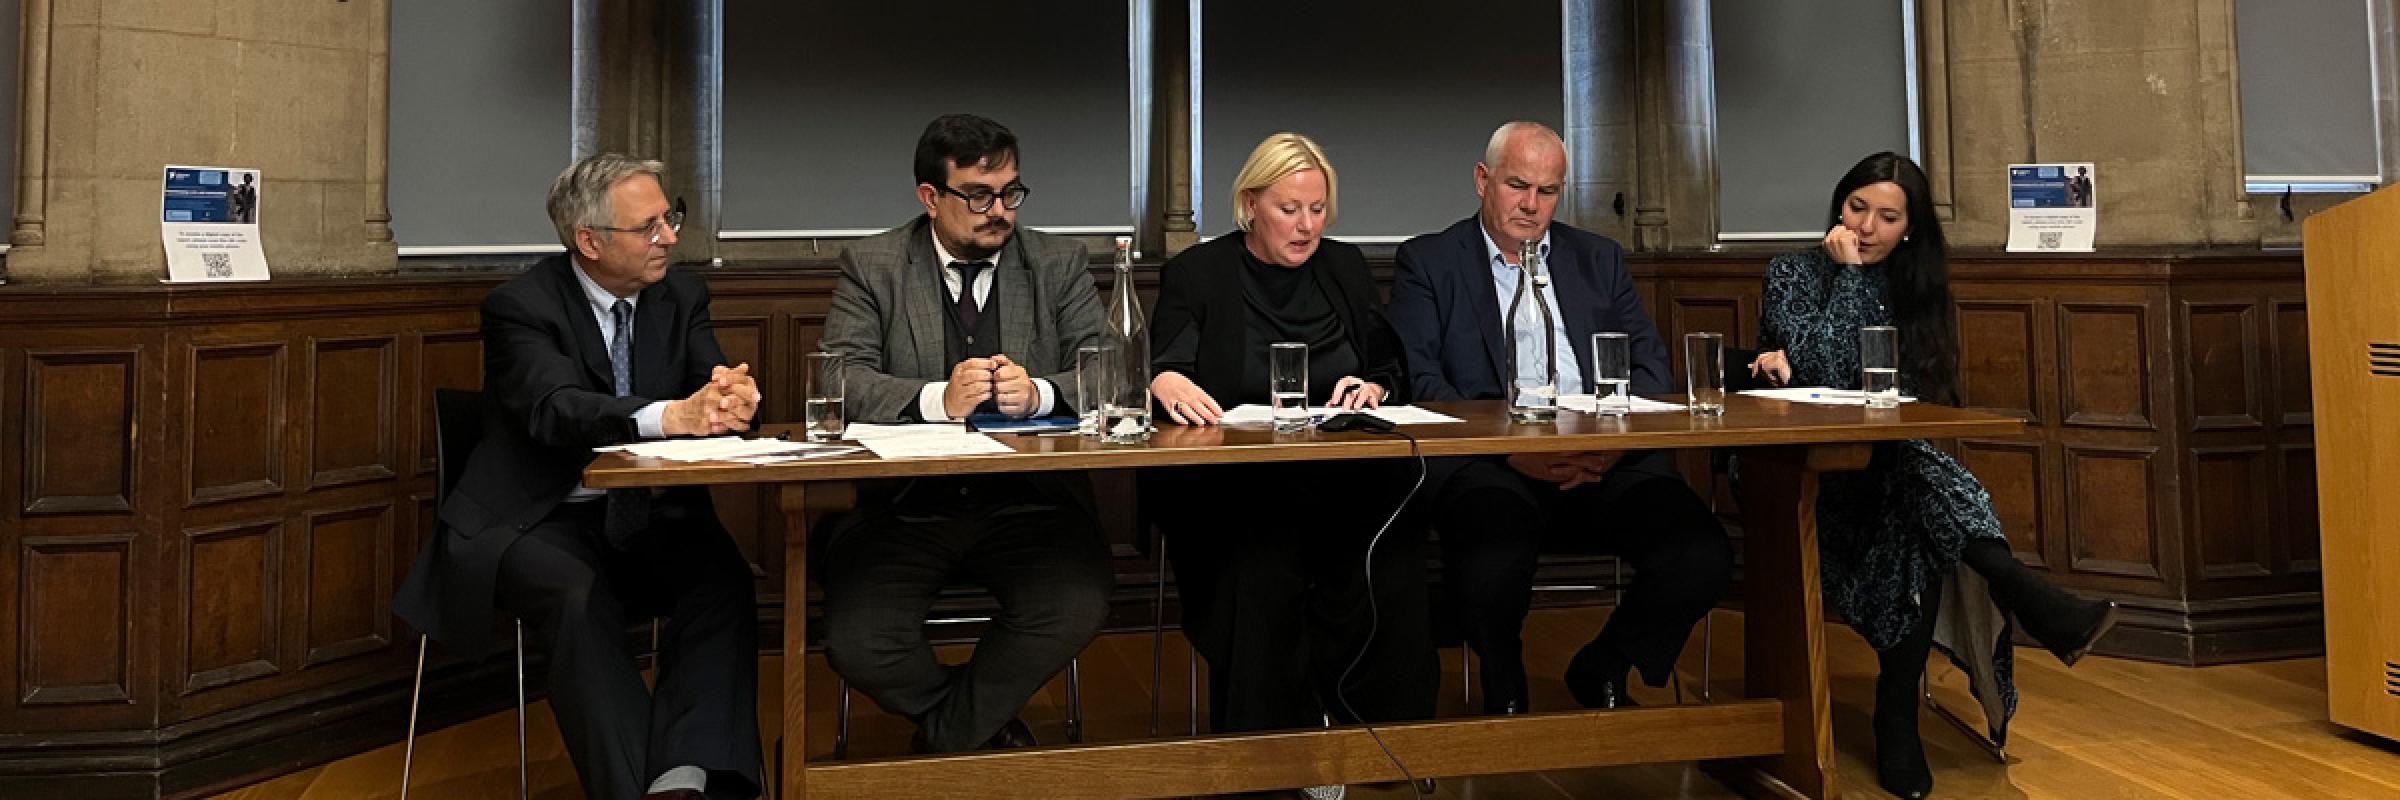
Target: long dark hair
1917, 278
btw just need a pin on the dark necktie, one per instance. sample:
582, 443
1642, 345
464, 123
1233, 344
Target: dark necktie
968, 309
628, 509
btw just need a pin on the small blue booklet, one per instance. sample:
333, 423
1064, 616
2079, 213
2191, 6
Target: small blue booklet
1003, 423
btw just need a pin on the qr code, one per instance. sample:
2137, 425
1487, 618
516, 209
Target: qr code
220, 265
2052, 240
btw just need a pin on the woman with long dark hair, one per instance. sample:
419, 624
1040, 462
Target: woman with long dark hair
1890, 537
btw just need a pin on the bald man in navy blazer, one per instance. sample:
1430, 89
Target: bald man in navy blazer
1495, 515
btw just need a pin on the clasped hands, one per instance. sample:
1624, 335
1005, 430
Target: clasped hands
997, 379
723, 405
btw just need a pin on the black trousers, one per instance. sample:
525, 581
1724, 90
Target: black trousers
1270, 561
576, 595
1494, 523
883, 569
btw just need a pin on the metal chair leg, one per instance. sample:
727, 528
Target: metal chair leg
1988, 746
1708, 649
841, 728
524, 775
408, 755
1075, 700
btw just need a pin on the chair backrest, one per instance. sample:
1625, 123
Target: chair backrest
457, 426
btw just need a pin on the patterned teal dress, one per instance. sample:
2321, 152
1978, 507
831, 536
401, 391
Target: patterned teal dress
1883, 531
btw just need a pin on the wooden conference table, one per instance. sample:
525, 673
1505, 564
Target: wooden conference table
1775, 742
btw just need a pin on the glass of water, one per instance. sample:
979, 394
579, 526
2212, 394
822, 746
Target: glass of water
1879, 365
1088, 369
1704, 373
1287, 385
1612, 374
822, 372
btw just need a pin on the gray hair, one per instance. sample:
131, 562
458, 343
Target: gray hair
579, 198
1498, 146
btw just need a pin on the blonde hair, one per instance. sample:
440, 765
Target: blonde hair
1273, 160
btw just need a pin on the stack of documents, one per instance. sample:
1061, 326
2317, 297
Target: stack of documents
1641, 405
1819, 395
1397, 415
920, 441
728, 448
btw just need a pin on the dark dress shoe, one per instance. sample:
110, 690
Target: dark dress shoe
1011, 736
1603, 695
1507, 708
675, 794
1899, 753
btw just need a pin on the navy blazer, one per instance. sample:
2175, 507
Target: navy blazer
1448, 313
550, 397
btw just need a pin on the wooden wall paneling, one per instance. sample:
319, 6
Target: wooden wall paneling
352, 420
2288, 328
743, 509
231, 587
75, 601
2105, 378
2231, 511
2222, 370
2013, 472
80, 451
2111, 524
1999, 354
342, 604
2296, 508
234, 420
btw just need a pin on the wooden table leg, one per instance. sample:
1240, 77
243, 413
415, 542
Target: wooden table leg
793, 759
1784, 613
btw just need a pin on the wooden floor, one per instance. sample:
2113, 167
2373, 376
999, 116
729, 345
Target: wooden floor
2106, 729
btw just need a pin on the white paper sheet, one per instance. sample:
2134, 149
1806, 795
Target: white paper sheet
1641, 405
716, 448
1397, 415
962, 444
1819, 395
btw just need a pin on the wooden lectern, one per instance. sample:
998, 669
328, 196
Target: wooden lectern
2353, 255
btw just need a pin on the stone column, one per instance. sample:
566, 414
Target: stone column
1674, 63
112, 93
1170, 132
695, 111
1600, 129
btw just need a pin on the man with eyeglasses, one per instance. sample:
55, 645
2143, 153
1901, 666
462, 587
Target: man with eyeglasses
601, 346
960, 313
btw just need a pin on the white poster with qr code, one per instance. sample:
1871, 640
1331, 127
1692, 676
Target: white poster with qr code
208, 220
2052, 208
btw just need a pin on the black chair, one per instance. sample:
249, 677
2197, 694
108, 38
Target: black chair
458, 425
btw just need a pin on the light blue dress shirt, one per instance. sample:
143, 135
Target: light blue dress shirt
1529, 348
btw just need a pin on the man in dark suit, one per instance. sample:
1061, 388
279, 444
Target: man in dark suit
601, 346
1494, 514
959, 312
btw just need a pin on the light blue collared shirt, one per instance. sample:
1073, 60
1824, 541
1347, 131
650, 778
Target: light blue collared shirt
1529, 349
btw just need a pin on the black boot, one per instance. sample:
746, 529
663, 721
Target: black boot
1899, 752
2064, 624
1596, 677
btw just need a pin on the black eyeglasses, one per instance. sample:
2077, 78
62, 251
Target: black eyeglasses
659, 226
980, 200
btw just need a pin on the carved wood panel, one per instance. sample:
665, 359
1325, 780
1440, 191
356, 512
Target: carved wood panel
1997, 357
350, 425
2222, 352
232, 603
80, 451
2294, 402
450, 359
234, 422
2103, 370
346, 576
2111, 527
75, 620
2231, 511
2012, 472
